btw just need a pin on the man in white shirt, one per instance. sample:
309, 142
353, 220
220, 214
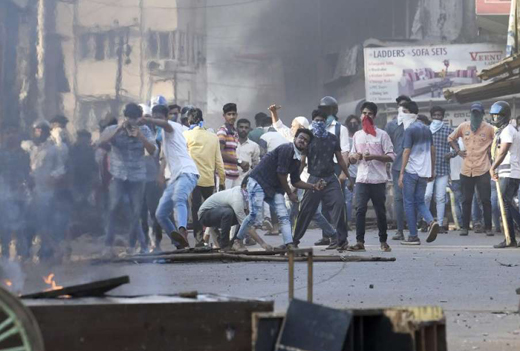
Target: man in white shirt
184, 177
455, 167
506, 166
226, 209
247, 150
270, 140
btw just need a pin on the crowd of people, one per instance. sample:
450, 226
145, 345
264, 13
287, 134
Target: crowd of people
158, 163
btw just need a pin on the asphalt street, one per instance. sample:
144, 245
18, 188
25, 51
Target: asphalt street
474, 283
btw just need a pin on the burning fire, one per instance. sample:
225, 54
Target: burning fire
49, 280
8, 283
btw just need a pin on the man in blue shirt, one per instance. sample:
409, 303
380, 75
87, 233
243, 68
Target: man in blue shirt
417, 170
128, 143
395, 130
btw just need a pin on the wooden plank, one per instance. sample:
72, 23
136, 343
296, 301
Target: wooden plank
227, 257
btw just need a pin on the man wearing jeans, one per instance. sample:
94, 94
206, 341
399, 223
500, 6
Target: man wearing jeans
268, 182
395, 130
440, 133
477, 137
128, 143
372, 149
353, 124
417, 170
455, 167
204, 149
506, 168
184, 177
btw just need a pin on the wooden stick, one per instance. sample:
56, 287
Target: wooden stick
246, 258
503, 214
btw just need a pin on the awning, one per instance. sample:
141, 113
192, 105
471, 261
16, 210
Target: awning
483, 91
506, 73
507, 66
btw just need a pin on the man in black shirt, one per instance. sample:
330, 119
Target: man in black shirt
320, 158
268, 182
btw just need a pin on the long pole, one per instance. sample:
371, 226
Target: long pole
503, 214
40, 57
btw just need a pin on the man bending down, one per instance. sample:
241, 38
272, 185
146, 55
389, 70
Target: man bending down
224, 210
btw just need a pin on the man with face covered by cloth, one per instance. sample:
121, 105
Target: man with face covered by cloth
477, 137
372, 149
320, 157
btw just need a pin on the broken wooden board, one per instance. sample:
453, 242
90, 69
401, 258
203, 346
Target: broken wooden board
242, 257
93, 289
204, 322
392, 329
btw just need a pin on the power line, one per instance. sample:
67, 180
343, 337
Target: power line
174, 7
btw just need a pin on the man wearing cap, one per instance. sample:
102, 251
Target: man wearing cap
204, 149
228, 138
395, 130
477, 136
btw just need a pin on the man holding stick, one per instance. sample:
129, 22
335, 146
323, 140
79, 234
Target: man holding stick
506, 168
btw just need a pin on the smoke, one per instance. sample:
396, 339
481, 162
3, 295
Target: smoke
262, 53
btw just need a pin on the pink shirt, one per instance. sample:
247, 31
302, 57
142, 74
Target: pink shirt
372, 172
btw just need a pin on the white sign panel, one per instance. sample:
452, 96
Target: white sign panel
421, 72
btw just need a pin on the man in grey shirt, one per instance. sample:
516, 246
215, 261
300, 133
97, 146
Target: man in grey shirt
226, 209
128, 143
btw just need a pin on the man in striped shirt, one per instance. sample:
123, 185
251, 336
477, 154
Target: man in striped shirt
228, 137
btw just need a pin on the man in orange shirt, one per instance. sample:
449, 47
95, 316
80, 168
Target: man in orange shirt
477, 137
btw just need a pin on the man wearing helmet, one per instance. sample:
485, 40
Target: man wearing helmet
506, 166
329, 106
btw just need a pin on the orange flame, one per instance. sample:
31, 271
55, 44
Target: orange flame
49, 280
8, 283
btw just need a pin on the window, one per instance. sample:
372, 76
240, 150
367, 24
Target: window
100, 46
175, 45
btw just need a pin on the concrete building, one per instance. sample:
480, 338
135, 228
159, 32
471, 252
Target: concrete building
131, 50
87, 58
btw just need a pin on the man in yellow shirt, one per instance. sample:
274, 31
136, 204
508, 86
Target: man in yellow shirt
204, 149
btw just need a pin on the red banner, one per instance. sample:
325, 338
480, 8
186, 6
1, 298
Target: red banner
493, 7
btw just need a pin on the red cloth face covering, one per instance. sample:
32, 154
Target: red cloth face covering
368, 126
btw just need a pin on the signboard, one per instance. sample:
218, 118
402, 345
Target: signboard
493, 7
422, 72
